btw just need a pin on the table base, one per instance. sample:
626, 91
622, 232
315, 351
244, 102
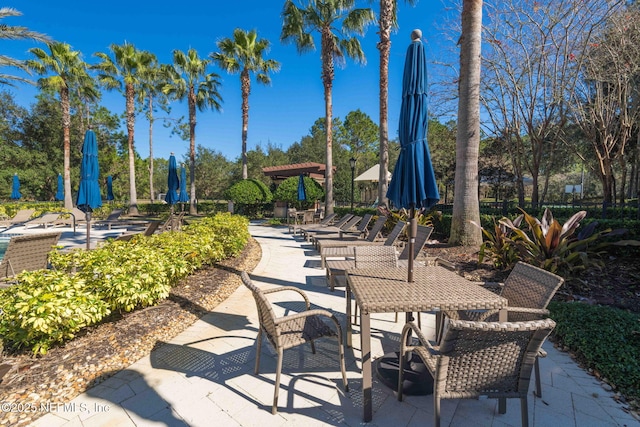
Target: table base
417, 379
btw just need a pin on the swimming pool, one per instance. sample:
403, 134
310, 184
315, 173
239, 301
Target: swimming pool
3, 246
4, 242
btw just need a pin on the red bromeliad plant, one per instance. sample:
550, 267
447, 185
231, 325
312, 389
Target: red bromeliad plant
499, 247
557, 248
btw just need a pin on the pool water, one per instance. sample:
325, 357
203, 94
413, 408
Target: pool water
3, 246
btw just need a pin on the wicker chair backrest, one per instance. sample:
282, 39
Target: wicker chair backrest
530, 286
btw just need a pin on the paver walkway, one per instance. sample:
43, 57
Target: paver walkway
204, 376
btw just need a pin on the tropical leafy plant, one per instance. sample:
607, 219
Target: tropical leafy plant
557, 248
498, 245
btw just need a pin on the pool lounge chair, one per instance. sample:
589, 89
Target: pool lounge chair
351, 240
19, 218
27, 253
48, 219
148, 231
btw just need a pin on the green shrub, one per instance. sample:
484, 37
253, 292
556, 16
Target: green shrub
498, 246
606, 339
287, 191
249, 195
47, 307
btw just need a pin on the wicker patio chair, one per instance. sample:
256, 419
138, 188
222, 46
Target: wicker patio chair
27, 253
292, 330
346, 251
529, 290
336, 268
22, 216
479, 359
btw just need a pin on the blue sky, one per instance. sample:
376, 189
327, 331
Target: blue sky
281, 113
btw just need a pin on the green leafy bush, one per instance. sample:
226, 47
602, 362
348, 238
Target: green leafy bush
287, 191
498, 246
249, 195
606, 339
547, 244
47, 307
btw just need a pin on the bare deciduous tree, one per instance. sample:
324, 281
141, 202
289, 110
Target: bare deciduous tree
533, 55
604, 104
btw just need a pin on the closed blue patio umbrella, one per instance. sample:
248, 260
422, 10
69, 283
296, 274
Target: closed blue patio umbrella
15, 188
89, 197
413, 186
183, 196
60, 191
110, 188
172, 182
302, 192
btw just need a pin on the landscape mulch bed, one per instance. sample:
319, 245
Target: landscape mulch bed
103, 350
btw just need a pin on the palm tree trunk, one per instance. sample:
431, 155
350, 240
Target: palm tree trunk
327, 80
133, 195
66, 142
245, 84
151, 119
386, 15
466, 204
192, 151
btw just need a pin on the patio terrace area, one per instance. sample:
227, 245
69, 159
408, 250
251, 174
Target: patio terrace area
204, 376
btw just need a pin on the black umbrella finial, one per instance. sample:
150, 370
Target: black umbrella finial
416, 35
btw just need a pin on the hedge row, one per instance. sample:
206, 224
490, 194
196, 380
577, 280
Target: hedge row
50, 306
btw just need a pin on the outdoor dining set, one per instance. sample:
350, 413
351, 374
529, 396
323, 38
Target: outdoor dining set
487, 341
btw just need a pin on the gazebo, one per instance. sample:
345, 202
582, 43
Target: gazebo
282, 172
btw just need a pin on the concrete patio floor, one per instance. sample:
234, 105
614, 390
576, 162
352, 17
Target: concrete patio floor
204, 376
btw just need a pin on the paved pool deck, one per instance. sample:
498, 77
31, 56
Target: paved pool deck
204, 376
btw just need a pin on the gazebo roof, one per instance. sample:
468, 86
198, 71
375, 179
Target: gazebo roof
310, 169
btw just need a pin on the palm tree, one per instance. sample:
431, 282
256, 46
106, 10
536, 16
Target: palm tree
466, 208
335, 21
8, 32
125, 70
243, 54
153, 80
188, 78
68, 73
387, 22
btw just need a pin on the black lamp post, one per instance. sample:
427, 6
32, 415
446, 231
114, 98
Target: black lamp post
352, 163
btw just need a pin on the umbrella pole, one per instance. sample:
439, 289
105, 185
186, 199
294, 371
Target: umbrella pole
88, 218
417, 379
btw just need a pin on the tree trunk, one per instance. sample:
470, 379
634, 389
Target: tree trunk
327, 80
151, 119
245, 84
466, 206
131, 118
192, 151
386, 16
66, 142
